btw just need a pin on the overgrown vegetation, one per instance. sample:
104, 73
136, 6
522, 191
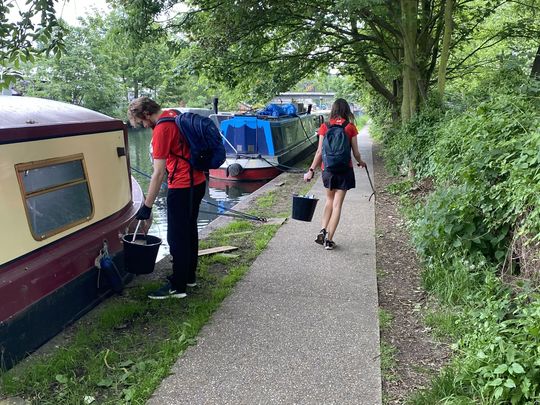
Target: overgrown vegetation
471, 197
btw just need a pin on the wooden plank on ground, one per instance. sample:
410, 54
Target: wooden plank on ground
219, 249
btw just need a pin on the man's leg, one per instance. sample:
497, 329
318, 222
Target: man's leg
198, 194
178, 235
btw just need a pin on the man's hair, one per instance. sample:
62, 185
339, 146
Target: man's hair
140, 108
341, 109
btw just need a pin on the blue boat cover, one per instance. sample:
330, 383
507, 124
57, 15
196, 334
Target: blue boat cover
274, 110
248, 135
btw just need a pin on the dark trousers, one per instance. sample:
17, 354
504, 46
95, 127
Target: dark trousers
182, 233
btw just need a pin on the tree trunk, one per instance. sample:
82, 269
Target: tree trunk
535, 71
409, 15
445, 50
136, 89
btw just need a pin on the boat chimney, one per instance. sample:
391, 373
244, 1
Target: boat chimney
215, 104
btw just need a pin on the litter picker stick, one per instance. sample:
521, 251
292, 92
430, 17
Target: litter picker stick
371, 184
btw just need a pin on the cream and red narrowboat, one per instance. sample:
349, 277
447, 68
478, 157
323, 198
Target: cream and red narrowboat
65, 192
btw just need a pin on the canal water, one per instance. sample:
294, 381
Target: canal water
223, 194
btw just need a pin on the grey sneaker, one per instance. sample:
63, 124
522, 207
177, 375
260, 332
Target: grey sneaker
329, 245
321, 237
167, 291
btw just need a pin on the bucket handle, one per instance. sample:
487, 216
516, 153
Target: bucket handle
136, 229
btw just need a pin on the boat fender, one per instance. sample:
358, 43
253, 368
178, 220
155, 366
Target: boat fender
112, 274
234, 170
104, 262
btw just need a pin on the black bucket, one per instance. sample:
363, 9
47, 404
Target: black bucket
303, 208
140, 258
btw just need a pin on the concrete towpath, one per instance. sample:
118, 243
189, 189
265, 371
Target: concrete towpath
301, 327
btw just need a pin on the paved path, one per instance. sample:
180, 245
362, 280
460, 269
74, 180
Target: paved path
301, 327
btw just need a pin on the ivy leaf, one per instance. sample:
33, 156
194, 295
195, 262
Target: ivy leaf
498, 392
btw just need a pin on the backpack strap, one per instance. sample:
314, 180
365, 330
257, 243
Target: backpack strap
343, 125
173, 119
171, 176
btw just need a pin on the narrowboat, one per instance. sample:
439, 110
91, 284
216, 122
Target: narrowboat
260, 147
66, 195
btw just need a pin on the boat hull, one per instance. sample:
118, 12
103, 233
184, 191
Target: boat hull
67, 193
47, 289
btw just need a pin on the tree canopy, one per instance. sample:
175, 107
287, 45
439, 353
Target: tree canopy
18, 39
397, 50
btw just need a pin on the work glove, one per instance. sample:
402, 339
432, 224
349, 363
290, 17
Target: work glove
143, 213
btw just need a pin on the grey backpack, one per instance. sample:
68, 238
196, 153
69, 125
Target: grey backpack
336, 149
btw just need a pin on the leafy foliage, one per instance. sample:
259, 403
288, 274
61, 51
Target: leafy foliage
483, 159
18, 39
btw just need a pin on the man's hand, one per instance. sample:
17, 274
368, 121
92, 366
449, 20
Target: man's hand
362, 163
143, 213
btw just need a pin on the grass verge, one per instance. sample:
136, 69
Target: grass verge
121, 352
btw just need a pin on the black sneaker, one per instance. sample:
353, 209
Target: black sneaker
329, 245
321, 237
167, 291
191, 285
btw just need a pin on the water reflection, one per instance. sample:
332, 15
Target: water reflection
222, 194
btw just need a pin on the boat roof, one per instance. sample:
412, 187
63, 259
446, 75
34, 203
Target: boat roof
20, 112
25, 119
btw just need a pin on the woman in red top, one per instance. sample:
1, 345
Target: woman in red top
170, 151
336, 183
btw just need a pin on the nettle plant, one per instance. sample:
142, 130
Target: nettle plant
501, 354
486, 167
451, 223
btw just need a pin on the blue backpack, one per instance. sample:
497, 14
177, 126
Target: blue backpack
336, 149
205, 142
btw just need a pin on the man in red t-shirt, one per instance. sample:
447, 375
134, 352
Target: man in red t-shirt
170, 151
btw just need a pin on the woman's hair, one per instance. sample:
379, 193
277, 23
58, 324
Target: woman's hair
140, 108
341, 109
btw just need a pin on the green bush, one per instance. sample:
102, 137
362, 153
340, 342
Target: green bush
410, 147
502, 350
482, 152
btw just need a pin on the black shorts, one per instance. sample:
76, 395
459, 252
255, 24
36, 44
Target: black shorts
339, 181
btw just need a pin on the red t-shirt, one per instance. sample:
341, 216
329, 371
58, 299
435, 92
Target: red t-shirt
350, 131
167, 143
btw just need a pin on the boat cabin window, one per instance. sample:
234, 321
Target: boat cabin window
56, 194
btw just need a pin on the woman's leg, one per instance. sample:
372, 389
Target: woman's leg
327, 211
339, 196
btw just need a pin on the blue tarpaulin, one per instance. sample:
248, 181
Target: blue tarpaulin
274, 110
